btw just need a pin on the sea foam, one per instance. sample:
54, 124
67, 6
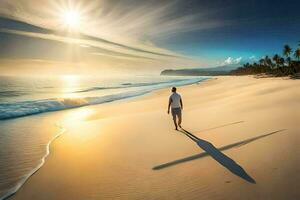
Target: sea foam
24, 108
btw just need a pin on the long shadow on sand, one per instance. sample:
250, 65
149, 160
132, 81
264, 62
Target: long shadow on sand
216, 153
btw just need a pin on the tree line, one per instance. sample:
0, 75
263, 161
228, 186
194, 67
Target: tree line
286, 65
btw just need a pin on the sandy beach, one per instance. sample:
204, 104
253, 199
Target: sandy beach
247, 146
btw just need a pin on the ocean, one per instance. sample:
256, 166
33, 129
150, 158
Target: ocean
26, 103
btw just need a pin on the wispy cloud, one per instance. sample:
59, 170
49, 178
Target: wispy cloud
231, 60
128, 19
102, 46
238, 60
252, 58
117, 29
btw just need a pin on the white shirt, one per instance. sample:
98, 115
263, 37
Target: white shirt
175, 103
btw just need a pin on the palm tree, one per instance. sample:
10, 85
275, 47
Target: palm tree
287, 50
268, 62
289, 60
261, 61
297, 54
281, 61
289, 69
280, 64
277, 65
276, 58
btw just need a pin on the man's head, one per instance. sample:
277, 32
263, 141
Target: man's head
173, 89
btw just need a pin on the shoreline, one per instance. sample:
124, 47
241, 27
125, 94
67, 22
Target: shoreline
89, 101
105, 113
26, 178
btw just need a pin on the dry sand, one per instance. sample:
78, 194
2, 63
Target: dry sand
111, 151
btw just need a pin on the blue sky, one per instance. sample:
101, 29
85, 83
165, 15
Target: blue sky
151, 35
256, 28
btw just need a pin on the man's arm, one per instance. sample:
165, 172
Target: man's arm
170, 101
181, 104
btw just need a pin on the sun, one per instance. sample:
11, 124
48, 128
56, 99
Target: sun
71, 19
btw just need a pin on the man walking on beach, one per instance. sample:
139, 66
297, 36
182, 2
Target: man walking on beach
175, 102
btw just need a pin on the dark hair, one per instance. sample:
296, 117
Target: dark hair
173, 89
